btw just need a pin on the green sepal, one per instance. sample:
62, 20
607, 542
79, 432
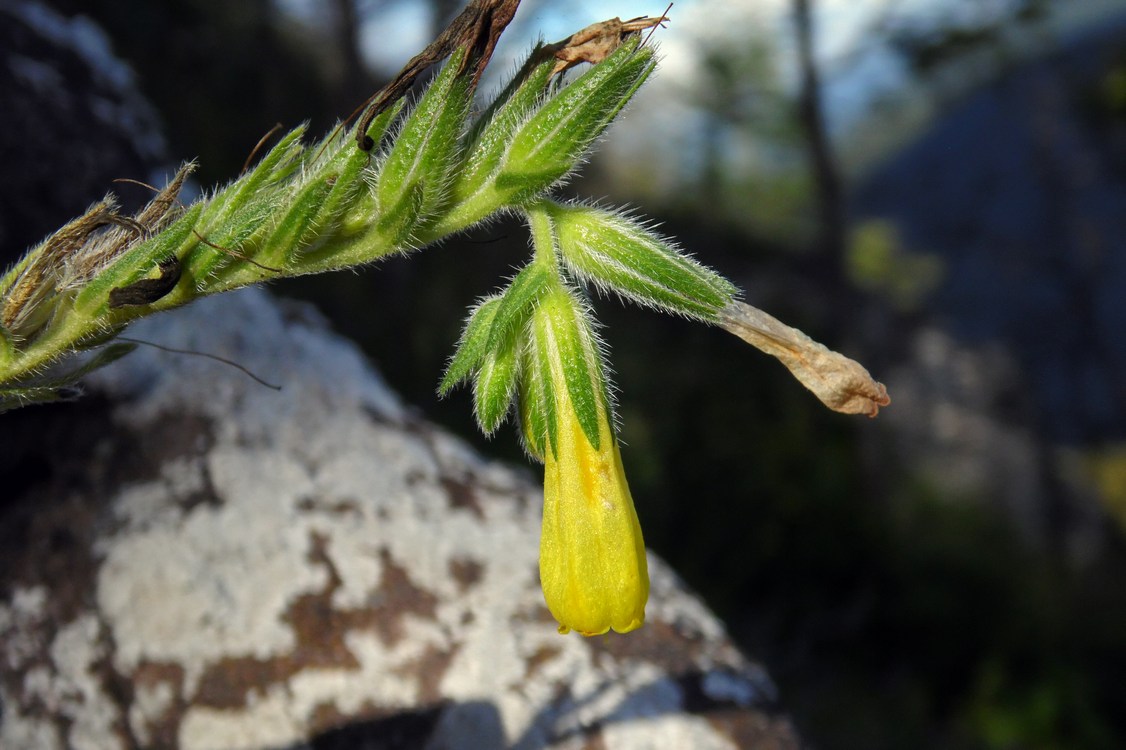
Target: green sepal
302, 221
562, 352
7, 345
495, 386
414, 177
382, 122
537, 392
279, 163
339, 144
346, 167
620, 255
577, 357
140, 262
222, 237
488, 140
60, 387
518, 302
472, 347
548, 145
398, 223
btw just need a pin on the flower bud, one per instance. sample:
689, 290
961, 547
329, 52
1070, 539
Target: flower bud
415, 176
592, 556
552, 141
490, 136
495, 385
620, 255
489, 348
473, 346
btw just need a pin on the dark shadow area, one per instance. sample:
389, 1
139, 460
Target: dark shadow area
742, 715
400, 731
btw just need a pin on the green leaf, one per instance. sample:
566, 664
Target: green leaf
621, 255
18, 397
59, 387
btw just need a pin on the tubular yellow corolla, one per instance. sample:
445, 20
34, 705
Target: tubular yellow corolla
592, 556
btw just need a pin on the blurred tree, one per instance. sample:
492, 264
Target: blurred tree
829, 190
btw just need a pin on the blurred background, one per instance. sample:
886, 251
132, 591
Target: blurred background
935, 187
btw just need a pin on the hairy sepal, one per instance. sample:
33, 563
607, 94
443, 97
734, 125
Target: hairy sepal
489, 139
563, 353
552, 141
415, 175
495, 385
618, 254
472, 347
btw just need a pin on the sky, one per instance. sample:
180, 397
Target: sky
840, 27
857, 69
842, 19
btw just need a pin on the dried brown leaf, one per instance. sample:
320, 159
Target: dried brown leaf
595, 43
841, 383
477, 28
100, 251
40, 277
79, 251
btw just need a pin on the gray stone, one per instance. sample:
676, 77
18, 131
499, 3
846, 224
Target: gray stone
73, 121
214, 564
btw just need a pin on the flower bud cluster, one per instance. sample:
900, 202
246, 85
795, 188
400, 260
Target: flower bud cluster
532, 349
307, 209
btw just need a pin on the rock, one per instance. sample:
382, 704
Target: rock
73, 122
204, 562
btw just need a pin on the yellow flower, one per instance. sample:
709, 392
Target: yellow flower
592, 557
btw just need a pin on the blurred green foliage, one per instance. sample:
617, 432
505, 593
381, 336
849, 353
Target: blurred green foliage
878, 263
1106, 470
